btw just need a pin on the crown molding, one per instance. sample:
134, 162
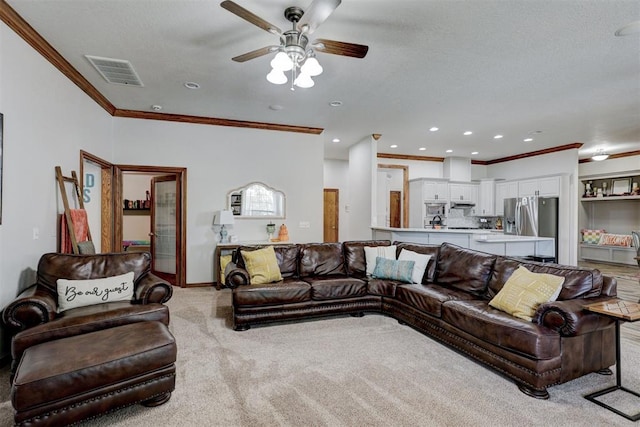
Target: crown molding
613, 156
21, 27
134, 114
410, 157
37, 42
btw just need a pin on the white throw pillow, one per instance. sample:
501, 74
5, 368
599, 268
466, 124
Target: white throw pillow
419, 266
372, 252
79, 293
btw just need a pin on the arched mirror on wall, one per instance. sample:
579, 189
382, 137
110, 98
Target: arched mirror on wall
256, 200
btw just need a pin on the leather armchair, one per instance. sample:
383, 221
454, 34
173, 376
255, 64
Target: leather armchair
38, 304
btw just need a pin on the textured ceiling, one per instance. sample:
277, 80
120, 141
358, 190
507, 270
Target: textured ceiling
509, 67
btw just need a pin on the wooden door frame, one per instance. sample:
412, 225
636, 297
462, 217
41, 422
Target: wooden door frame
181, 225
405, 190
106, 198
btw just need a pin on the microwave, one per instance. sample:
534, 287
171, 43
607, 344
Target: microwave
435, 208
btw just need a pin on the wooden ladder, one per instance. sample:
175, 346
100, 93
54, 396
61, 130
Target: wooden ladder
65, 201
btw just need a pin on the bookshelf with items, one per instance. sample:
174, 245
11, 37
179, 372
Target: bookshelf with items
609, 212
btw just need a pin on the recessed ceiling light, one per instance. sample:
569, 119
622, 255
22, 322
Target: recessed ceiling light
433, 129
467, 132
336, 103
275, 107
156, 107
473, 153
335, 140
449, 151
192, 85
393, 146
498, 137
528, 139
422, 148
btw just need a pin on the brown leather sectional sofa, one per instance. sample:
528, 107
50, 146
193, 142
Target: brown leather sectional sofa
563, 342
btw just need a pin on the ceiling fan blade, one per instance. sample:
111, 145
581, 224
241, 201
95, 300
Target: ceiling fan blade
255, 53
251, 17
340, 48
317, 12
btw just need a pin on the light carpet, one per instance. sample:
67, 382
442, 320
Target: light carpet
343, 371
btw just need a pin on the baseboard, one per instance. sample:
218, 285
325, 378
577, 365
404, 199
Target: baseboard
200, 285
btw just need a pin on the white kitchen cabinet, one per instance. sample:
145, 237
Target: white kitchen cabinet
505, 190
459, 192
421, 191
486, 204
435, 190
544, 187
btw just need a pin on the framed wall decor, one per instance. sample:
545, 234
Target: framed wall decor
621, 186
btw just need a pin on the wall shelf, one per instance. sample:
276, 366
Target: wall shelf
136, 212
608, 198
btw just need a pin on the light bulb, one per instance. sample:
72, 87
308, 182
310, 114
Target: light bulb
282, 62
277, 77
311, 67
304, 81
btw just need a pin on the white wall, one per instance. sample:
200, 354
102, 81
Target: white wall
417, 168
47, 121
362, 192
219, 159
610, 166
336, 175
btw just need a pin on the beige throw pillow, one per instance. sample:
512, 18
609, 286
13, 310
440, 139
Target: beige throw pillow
524, 291
80, 293
262, 265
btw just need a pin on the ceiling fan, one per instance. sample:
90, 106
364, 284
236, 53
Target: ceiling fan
294, 51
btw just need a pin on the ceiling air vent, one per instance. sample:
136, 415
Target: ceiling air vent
116, 71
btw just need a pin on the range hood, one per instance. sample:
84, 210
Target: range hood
461, 204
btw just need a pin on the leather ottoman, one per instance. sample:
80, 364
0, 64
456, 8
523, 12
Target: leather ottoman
71, 379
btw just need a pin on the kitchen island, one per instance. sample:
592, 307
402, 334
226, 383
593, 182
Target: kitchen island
490, 241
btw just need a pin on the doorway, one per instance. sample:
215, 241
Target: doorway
404, 215
167, 232
331, 214
108, 191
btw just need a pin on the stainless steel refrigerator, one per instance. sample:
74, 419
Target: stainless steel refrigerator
532, 216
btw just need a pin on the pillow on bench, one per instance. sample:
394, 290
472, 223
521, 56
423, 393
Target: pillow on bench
591, 236
616, 240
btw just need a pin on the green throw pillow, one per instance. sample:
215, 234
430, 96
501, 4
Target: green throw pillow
393, 269
262, 265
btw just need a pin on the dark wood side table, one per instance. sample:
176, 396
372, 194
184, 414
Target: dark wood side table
620, 311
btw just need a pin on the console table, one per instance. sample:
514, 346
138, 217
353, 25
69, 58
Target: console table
226, 248
620, 311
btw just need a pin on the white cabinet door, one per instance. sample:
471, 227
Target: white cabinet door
528, 187
463, 193
545, 187
486, 204
505, 190
433, 190
548, 187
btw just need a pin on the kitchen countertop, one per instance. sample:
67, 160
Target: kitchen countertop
479, 235
441, 230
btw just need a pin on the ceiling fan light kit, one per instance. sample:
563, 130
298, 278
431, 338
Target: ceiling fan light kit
293, 54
